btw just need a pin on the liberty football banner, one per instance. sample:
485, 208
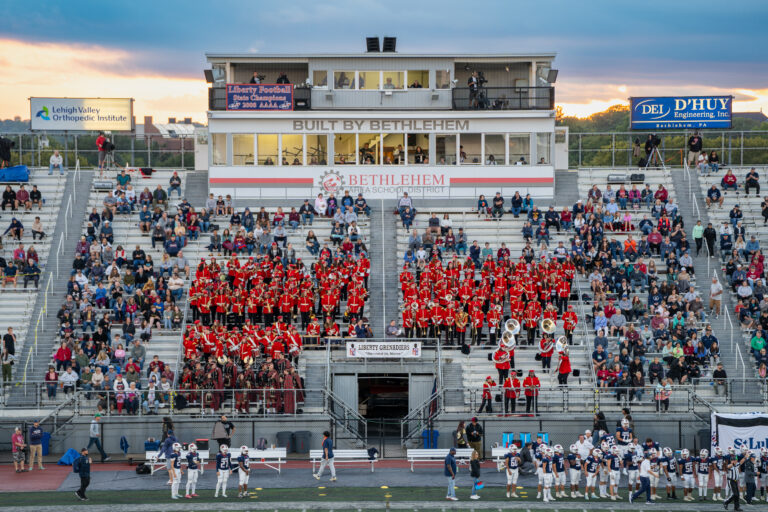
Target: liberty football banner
670, 112
259, 97
737, 430
374, 350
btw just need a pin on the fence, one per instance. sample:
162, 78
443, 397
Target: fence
150, 150
617, 149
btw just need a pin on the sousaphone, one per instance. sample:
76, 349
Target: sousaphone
507, 341
512, 326
548, 326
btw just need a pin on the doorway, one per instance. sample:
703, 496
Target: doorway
383, 398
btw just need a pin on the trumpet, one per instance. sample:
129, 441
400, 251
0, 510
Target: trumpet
548, 326
507, 341
512, 326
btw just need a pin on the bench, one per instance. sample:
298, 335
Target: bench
271, 458
417, 455
343, 457
156, 460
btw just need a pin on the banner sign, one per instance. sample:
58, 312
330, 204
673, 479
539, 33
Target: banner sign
81, 114
386, 349
259, 97
670, 112
737, 430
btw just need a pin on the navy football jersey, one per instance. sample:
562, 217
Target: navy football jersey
574, 462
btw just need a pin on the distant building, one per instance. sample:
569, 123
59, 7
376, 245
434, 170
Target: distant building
753, 116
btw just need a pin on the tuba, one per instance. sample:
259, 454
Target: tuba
545, 345
548, 326
512, 326
561, 345
507, 341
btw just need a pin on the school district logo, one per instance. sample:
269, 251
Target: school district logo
331, 181
43, 114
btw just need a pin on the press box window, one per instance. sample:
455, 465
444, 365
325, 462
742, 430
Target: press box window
442, 79
519, 148
393, 80
344, 147
369, 80
320, 78
470, 149
317, 149
219, 141
267, 147
242, 149
293, 149
494, 149
394, 148
543, 144
445, 147
418, 79
344, 80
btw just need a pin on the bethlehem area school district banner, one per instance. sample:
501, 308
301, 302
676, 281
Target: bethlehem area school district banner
373, 349
81, 114
737, 430
670, 112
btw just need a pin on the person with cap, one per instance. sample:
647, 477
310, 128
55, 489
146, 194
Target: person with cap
223, 430
732, 474
531, 384
488, 386
449, 470
35, 445
720, 380
166, 450
95, 437
750, 474
645, 479
475, 435
82, 466
17, 449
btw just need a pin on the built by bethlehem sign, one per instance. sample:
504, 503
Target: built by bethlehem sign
737, 430
259, 97
386, 349
671, 112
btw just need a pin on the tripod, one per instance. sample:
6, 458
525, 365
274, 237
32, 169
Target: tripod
655, 154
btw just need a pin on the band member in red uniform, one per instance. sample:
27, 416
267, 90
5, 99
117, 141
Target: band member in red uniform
546, 349
563, 293
532, 316
570, 321
449, 321
563, 368
422, 322
488, 386
494, 318
314, 330
477, 318
408, 319
501, 360
306, 304
511, 392
462, 321
532, 386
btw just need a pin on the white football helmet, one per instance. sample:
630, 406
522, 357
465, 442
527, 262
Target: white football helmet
243, 449
550, 452
513, 449
192, 447
574, 448
224, 448
542, 449
718, 451
605, 446
624, 423
704, 454
615, 450
653, 453
731, 450
667, 451
744, 449
684, 453
602, 433
764, 452
558, 448
596, 453
176, 447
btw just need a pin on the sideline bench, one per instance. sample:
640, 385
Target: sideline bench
271, 458
417, 455
343, 457
156, 460
498, 453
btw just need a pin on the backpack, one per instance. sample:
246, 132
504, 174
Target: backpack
143, 469
76, 465
261, 444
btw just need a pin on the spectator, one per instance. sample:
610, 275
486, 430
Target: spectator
35, 197
82, 467
720, 380
56, 162
17, 448
95, 437
694, 148
662, 395
475, 435
174, 184
752, 181
728, 182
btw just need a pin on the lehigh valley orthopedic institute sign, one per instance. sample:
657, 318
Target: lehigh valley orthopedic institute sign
384, 349
81, 114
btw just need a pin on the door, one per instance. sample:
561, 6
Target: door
345, 389
419, 390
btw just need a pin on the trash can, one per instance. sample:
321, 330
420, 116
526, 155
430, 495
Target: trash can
285, 440
425, 435
46, 441
435, 435
302, 440
202, 444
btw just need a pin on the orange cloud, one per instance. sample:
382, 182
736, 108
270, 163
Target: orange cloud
61, 70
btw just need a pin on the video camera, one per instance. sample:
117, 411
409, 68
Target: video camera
481, 79
655, 140
108, 146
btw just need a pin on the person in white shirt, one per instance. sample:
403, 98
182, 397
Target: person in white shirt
68, 380
321, 205
584, 445
56, 162
715, 295
645, 479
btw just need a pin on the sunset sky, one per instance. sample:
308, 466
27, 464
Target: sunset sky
606, 50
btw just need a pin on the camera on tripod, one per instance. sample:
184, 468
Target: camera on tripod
108, 146
481, 80
655, 140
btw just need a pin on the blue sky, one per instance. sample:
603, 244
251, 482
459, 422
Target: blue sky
668, 44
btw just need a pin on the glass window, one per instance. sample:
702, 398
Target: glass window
320, 78
344, 148
219, 74
242, 149
469, 149
445, 149
418, 148
417, 79
519, 148
542, 72
393, 80
293, 149
369, 151
443, 79
219, 148
543, 141
560, 136
267, 147
394, 148
494, 149
369, 80
344, 80
317, 149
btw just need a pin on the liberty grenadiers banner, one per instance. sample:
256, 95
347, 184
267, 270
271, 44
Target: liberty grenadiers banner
387, 349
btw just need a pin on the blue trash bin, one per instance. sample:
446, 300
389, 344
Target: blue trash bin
435, 436
46, 442
425, 435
